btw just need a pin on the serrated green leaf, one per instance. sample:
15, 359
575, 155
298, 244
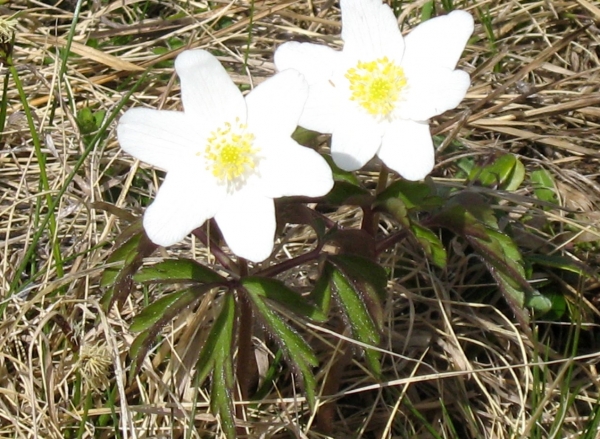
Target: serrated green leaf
466, 214
362, 325
177, 270
221, 400
321, 293
305, 137
362, 270
153, 322
297, 351
415, 195
154, 312
134, 351
560, 262
493, 174
504, 261
121, 255
346, 193
506, 172
293, 343
339, 174
431, 244
516, 177
544, 187
278, 292
221, 331
128, 258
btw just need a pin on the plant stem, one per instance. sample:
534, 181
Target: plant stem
370, 222
215, 250
246, 368
290, 263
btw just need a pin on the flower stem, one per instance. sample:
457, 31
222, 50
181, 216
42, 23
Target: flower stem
370, 221
288, 264
215, 250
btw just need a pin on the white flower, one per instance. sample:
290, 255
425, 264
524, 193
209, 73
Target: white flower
377, 94
226, 156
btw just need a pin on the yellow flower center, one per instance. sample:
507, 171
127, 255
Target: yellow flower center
230, 154
376, 86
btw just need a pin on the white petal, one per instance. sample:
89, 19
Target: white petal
160, 138
438, 42
433, 91
208, 93
321, 110
291, 169
315, 62
248, 225
355, 140
186, 199
370, 30
407, 148
274, 107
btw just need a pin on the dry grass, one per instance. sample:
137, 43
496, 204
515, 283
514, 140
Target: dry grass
456, 368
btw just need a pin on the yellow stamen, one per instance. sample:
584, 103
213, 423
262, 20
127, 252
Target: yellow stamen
377, 86
230, 155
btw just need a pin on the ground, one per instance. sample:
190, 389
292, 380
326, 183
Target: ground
459, 361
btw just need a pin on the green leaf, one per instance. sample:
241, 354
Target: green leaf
427, 11
306, 137
221, 400
339, 174
152, 319
297, 351
415, 195
346, 193
506, 172
506, 265
559, 306
321, 293
560, 262
466, 213
278, 292
139, 344
156, 311
221, 331
86, 120
431, 244
468, 216
544, 187
363, 326
122, 255
538, 302
516, 178
128, 258
397, 208
178, 270
368, 276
